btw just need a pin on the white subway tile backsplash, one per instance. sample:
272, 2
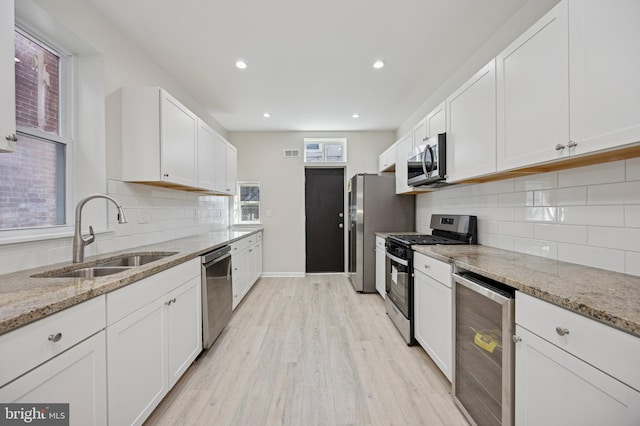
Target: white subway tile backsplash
516, 199
535, 214
592, 175
616, 193
619, 238
596, 257
591, 215
632, 216
576, 196
516, 229
633, 169
537, 182
560, 233
632, 263
548, 249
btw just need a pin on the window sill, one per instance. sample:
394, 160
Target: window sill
34, 235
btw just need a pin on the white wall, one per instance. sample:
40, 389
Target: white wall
105, 61
260, 158
526, 16
587, 215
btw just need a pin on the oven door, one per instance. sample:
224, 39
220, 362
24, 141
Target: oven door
398, 282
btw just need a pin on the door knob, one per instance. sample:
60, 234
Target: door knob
340, 214
340, 226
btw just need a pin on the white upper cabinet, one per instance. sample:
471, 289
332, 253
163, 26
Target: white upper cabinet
403, 147
232, 169
159, 137
471, 127
387, 160
7, 82
604, 66
436, 121
533, 94
220, 162
420, 133
206, 156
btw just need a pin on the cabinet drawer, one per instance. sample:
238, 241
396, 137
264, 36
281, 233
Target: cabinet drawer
436, 269
29, 346
606, 348
242, 244
127, 300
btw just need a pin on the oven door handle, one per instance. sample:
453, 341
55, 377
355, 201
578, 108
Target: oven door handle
397, 259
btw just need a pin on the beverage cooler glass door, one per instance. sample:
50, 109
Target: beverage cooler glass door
483, 377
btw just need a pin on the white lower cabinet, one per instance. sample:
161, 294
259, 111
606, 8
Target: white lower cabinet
78, 377
246, 262
381, 263
150, 347
432, 309
571, 370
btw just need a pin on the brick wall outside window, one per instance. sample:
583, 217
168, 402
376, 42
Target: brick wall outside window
30, 176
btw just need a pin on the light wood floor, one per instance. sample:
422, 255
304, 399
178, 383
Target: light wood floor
310, 351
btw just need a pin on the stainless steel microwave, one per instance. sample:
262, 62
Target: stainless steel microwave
427, 164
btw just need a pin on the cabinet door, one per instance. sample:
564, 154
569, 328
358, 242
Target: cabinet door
420, 133
7, 82
178, 137
387, 160
471, 127
232, 169
184, 327
240, 278
78, 376
604, 70
206, 156
220, 164
380, 267
555, 388
436, 122
404, 147
533, 94
433, 320
137, 364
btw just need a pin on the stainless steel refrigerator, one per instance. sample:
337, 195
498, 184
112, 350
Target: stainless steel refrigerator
374, 207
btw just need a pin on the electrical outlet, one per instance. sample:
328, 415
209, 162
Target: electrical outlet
144, 216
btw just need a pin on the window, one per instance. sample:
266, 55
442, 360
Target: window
33, 184
325, 150
248, 203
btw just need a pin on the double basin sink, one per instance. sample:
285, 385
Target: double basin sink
110, 266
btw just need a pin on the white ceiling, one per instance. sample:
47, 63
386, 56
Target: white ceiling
309, 62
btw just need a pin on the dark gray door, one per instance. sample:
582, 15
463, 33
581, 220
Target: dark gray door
324, 209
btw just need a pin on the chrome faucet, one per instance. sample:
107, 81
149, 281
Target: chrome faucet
80, 241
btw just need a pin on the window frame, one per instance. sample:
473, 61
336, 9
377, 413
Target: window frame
239, 203
324, 142
66, 78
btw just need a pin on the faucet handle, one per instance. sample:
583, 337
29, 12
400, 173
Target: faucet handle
89, 238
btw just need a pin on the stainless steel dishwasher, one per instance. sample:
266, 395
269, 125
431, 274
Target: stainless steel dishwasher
483, 375
217, 294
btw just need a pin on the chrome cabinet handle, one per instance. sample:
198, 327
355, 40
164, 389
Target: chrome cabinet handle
12, 137
572, 144
55, 337
170, 301
562, 331
166, 175
427, 267
516, 339
560, 147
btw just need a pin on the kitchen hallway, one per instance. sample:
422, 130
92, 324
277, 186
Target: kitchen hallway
310, 351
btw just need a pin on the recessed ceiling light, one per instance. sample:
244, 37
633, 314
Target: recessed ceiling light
241, 65
378, 64
266, 115
356, 115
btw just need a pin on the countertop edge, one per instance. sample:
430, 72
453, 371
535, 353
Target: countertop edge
33, 311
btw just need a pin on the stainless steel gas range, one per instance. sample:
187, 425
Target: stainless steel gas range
446, 230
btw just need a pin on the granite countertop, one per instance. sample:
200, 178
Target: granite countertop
24, 299
610, 297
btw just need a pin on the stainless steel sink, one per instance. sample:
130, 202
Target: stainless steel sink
92, 272
110, 266
135, 259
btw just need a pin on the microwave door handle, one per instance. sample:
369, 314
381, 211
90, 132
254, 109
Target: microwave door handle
424, 162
